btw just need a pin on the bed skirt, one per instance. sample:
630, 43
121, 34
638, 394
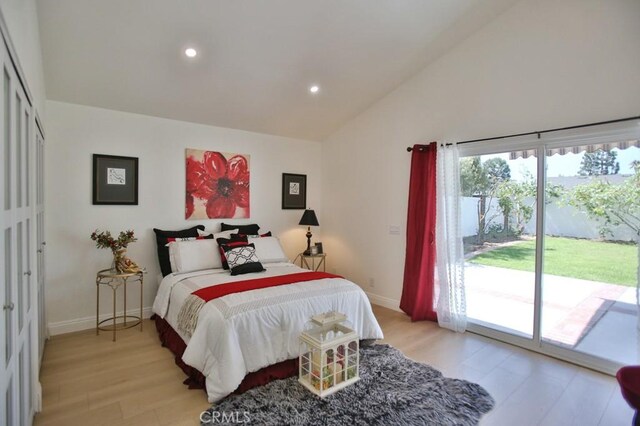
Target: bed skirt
195, 380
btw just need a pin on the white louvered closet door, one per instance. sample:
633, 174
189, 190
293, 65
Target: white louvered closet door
18, 322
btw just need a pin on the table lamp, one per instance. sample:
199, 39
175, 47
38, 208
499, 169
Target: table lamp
309, 219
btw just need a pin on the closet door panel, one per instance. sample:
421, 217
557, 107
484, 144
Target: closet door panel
17, 371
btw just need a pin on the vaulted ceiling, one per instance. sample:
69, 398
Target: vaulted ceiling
256, 59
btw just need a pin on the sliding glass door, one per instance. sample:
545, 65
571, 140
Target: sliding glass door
551, 231
498, 205
591, 252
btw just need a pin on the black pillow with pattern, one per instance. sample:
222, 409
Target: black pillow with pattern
242, 259
231, 242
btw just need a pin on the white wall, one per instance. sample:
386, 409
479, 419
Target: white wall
541, 64
568, 221
21, 18
76, 132
560, 221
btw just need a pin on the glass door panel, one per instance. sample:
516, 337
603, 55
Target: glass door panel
499, 227
590, 263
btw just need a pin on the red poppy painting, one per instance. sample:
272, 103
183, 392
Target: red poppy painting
217, 185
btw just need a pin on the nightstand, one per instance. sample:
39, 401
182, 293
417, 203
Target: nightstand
115, 280
308, 261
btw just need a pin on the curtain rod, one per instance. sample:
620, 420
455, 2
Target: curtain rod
539, 132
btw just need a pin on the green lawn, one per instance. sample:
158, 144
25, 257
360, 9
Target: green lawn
606, 262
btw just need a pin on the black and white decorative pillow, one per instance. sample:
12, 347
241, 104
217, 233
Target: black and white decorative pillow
224, 244
243, 259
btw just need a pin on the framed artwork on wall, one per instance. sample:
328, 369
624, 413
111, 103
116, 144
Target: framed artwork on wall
217, 185
115, 180
294, 191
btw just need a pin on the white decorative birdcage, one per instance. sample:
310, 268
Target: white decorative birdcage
329, 354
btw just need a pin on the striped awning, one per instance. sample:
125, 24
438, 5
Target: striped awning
576, 149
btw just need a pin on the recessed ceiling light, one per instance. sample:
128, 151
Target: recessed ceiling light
314, 89
190, 52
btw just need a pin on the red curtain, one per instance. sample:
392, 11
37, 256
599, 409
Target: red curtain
419, 265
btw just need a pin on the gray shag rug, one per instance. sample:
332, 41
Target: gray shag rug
392, 390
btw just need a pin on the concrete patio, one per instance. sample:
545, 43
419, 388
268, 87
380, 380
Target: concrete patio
591, 317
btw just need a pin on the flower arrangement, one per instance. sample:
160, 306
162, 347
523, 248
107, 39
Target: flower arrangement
104, 239
121, 263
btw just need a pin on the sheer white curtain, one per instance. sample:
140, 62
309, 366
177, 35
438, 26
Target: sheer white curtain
451, 306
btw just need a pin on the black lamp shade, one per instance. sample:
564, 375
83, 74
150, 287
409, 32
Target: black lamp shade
309, 218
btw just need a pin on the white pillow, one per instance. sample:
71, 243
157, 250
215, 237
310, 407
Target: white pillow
269, 250
187, 256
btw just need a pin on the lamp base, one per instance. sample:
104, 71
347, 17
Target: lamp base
307, 252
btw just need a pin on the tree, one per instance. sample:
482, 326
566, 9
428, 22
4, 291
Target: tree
612, 205
481, 180
497, 170
518, 199
599, 163
473, 178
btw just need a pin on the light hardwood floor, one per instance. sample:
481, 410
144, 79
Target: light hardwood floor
88, 379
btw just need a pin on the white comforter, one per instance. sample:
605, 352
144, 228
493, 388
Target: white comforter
244, 332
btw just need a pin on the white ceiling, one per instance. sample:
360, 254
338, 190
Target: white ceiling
256, 58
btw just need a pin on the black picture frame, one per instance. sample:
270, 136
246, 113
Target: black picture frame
294, 191
115, 180
319, 245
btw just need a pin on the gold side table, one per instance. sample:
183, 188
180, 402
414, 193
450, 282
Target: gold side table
115, 280
306, 258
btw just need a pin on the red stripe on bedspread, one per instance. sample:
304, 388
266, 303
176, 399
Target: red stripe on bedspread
215, 291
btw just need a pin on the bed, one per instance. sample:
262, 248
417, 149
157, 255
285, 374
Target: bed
245, 332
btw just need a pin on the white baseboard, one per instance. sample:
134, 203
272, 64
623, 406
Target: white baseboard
385, 302
86, 323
